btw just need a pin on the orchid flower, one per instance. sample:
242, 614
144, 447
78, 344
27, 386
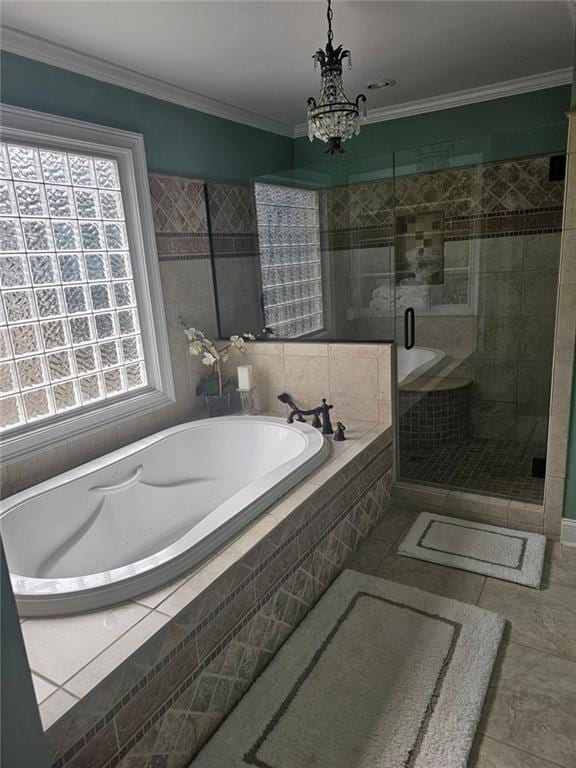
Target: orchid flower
199, 344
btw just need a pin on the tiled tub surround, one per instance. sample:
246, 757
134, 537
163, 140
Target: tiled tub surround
148, 682
433, 412
355, 378
183, 249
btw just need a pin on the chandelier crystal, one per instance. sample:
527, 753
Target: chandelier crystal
333, 118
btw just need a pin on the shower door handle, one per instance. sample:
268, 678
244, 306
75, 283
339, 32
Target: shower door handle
409, 332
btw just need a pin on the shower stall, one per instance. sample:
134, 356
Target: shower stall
452, 251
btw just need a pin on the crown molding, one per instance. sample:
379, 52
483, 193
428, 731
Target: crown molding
461, 98
37, 48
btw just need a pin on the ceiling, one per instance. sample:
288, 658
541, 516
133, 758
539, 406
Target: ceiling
257, 55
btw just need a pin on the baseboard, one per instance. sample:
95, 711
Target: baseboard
568, 533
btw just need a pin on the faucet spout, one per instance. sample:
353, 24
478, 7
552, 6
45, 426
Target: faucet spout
298, 413
287, 400
321, 416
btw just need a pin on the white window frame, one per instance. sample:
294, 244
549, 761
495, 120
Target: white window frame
127, 149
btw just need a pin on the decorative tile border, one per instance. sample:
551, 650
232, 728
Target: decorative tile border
182, 246
117, 714
534, 221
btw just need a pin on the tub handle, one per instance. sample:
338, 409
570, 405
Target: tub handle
122, 485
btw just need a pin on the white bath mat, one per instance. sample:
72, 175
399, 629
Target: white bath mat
487, 549
378, 675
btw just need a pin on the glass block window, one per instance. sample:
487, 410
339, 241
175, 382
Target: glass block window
289, 236
69, 329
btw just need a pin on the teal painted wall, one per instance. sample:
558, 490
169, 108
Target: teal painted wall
178, 140
527, 124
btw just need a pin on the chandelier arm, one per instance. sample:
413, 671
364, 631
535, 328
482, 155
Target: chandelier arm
343, 109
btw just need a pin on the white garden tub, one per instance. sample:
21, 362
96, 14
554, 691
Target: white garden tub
133, 520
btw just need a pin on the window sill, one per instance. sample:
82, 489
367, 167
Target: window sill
50, 433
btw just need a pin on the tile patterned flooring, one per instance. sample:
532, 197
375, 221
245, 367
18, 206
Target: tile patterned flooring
493, 467
530, 709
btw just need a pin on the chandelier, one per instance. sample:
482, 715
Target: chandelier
333, 118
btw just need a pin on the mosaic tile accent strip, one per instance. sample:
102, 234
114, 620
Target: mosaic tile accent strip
230, 244
178, 205
110, 721
185, 246
536, 221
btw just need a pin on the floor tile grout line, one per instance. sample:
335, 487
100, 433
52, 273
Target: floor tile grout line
519, 749
396, 540
106, 648
548, 654
481, 591
60, 688
45, 679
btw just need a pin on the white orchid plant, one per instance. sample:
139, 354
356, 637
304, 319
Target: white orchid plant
212, 357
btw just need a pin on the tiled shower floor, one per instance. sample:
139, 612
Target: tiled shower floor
491, 467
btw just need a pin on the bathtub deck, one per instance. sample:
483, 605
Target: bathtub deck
70, 655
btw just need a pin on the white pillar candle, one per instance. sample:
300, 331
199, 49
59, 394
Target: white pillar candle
245, 378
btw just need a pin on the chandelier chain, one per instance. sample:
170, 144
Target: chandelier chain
330, 16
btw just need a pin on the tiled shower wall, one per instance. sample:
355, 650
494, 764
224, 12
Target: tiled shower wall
180, 223
493, 315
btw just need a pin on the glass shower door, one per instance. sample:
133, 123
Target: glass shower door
477, 242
